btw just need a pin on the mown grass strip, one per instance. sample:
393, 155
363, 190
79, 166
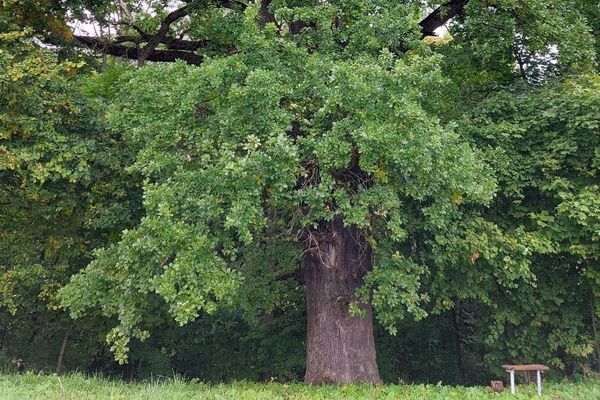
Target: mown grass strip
79, 387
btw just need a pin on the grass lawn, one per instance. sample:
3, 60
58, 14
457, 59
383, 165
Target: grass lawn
78, 387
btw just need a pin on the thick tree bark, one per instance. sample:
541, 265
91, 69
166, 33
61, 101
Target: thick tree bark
340, 347
441, 15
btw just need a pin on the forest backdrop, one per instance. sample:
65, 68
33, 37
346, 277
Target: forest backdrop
236, 190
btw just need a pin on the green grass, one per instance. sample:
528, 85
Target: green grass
47, 387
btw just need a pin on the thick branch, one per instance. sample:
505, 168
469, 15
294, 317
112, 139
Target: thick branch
225, 3
169, 42
120, 50
266, 16
176, 48
163, 29
441, 15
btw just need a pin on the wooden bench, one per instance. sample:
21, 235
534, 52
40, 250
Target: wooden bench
527, 367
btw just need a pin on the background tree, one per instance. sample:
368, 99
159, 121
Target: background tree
550, 136
60, 174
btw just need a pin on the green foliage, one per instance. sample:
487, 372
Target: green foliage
48, 18
507, 39
542, 143
38, 113
63, 192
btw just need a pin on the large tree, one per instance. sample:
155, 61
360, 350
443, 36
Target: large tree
297, 145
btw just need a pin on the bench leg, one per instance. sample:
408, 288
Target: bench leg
539, 383
512, 381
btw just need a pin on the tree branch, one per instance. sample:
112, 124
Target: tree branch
265, 15
120, 50
169, 42
160, 36
176, 48
441, 15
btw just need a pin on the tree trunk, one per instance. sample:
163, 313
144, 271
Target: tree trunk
594, 330
61, 353
340, 347
457, 341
